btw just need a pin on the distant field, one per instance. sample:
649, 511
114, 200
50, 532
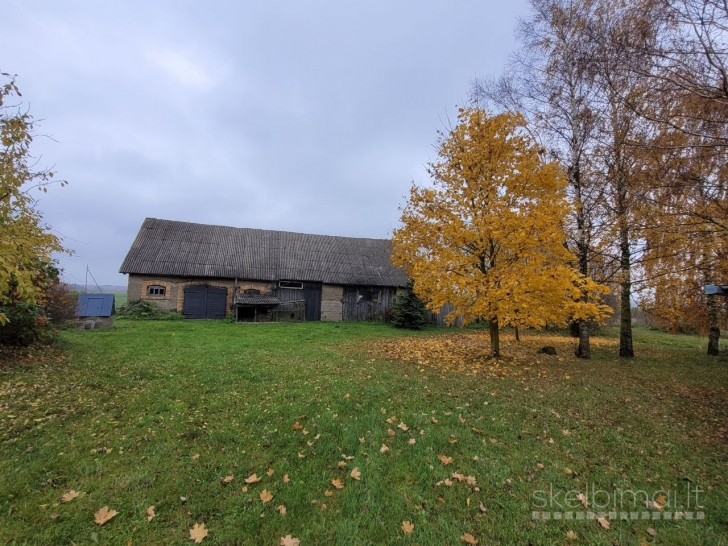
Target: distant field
359, 435
120, 298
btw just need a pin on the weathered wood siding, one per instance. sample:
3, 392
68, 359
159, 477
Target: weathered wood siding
439, 317
357, 307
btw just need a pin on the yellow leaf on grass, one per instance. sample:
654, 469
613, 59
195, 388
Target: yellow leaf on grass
104, 515
69, 496
244, 489
337, 484
571, 535
195, 456
286, 479
270, 472
392, 419
444, 459
266, 496
342, 464
601, 521
288, 540
383, 449
355, 473
467, 538
150, 513
281, 510
407, 527
253, 478
328, 493
411, 441
227, 479
198, 532
390, 432
582, 499
402, 425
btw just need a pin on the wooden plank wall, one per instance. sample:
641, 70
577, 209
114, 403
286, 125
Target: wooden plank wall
439, 318
356, 310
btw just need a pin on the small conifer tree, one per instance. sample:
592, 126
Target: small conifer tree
409, 311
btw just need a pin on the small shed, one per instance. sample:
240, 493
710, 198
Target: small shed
95, 311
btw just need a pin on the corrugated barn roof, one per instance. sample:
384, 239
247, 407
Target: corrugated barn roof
183, 249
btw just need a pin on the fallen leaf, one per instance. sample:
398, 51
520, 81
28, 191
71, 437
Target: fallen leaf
566, 432
467, 538
361, 440
195, 456
150, 513
403, 426
104, 515
433, 420
392, 419
297, 426
198, 532
582, 499
69, 496
407, 527
301, 456
383, 449
270, 472
288, 540
281, 510
568, 471
328, 493
390, 432
493, 441
337, 484
244, 489
265, 496
461, 420
445, 460
482, 508
651, 532
286, 479
601, 521
342, 464
227, 479
355, 473
571, 535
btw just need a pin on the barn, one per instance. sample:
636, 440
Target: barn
255, 275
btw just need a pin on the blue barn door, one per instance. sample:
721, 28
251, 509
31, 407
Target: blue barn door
204, 302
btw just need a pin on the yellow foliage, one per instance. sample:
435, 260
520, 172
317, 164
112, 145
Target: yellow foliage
488, 236
25, 242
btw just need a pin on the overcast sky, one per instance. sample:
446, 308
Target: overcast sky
297, 116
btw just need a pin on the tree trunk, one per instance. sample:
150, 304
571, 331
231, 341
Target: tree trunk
494, 337
626, 348
714, 332
574, 328
518, 337
584, 348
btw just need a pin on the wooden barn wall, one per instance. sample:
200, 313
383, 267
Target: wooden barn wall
439, 317
356, 310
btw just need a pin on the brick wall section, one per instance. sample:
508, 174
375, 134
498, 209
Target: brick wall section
331, 302
173, 298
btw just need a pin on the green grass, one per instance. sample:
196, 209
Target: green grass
119, 416
120, 298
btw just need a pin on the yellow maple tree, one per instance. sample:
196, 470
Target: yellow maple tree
487, 237
26, 244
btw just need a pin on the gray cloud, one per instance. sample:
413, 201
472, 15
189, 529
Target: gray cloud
311, 117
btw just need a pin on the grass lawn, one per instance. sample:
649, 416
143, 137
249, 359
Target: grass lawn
178, 414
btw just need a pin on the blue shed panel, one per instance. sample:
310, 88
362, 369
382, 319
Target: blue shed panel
96, 305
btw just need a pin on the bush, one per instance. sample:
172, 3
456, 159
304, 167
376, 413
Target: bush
143, 310
37, 321
408, 310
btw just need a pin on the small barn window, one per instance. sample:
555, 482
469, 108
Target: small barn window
156, 290
251, 291
368, 295
291, 284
